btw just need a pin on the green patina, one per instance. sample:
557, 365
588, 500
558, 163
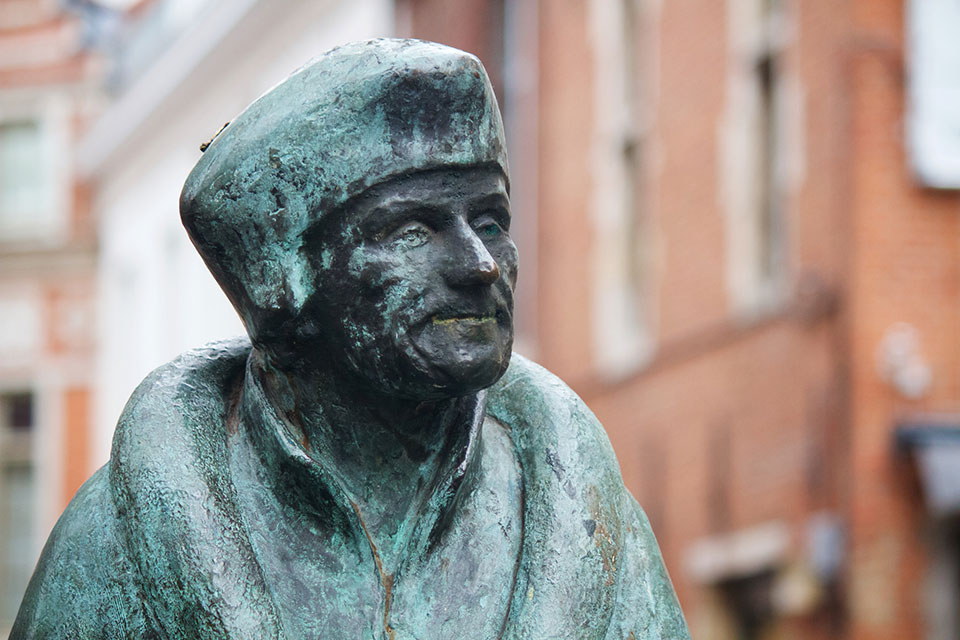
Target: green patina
372, 462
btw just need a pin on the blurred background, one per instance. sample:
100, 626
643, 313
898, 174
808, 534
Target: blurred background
739, 225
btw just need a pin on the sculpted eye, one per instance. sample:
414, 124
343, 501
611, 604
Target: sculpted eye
487, 228
413, 234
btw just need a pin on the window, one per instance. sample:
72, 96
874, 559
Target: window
19, 408
933, 121
769, 203
17, 501
755, 161
741, 572
749, 602
621, 310
26, 181
942, 585
22, 175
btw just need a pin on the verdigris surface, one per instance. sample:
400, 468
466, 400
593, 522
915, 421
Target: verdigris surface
371, 462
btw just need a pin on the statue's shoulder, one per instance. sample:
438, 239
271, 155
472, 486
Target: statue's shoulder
170, 478
543, 413
84, 583
177, 412
578, 501
185, 385
176, 420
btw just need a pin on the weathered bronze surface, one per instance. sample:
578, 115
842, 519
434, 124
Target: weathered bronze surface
372, 462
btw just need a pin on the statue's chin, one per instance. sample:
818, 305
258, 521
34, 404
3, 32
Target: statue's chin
454, 360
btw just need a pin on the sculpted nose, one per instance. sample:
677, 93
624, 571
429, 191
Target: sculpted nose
471, 263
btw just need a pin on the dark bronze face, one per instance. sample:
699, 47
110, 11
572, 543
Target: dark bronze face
415, 283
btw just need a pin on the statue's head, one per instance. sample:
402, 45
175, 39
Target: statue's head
357, 216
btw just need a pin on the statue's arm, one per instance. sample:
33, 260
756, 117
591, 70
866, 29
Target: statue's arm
83, 585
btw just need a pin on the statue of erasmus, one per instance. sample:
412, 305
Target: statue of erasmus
372, 462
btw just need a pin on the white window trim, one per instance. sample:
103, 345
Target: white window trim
622, 318
751, 292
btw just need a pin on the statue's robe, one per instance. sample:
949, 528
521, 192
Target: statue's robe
211, 521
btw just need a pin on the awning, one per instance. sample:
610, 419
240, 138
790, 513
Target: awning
935, 447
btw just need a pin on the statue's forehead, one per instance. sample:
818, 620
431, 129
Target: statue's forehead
444, 185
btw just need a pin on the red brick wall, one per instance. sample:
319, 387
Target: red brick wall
687, 214
734, 423
565, 235
76, 445
905, 267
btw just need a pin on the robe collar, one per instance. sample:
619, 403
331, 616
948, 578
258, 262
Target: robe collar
310, 482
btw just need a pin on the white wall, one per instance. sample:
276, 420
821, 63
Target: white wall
156, 297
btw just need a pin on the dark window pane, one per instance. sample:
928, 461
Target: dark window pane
19, 410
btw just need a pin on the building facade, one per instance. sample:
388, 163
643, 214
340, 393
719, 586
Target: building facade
740, 266
48, 93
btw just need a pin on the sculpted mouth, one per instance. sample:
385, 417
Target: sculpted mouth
448, 340
464, 319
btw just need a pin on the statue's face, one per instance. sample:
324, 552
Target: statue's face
415, 284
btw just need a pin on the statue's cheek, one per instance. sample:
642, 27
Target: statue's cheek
506, 255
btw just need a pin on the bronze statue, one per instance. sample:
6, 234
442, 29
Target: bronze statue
372, 462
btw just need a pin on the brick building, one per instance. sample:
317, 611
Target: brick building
48, 84
727, 249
